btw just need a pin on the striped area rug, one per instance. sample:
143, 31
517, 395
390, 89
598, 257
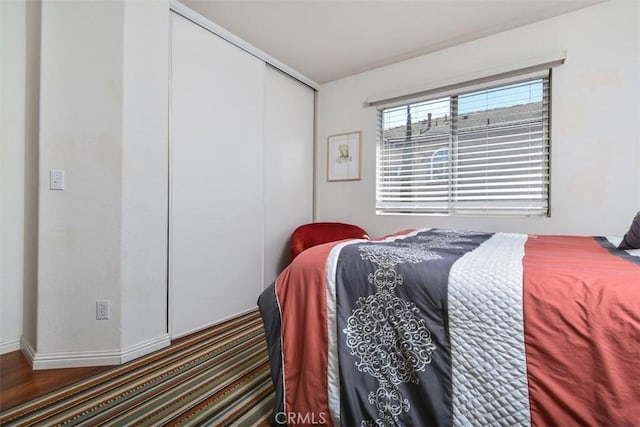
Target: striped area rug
219, 376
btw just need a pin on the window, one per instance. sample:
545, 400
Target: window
440, 164
478, 152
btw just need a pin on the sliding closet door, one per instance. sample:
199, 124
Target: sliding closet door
216, 169
288, 165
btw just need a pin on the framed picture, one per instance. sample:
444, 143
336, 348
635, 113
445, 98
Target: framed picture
343, 159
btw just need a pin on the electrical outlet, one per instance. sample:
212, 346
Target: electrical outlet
102, 309
56, 179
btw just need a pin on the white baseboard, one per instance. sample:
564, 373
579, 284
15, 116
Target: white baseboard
144, 348
76, 359
214, 323
27, 350
8, 345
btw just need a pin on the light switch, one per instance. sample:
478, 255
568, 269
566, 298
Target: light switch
56, 179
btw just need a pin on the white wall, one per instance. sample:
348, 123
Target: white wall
145, 168
12, 157
595, 148
103, 119
19, 83
32, 127
81, 133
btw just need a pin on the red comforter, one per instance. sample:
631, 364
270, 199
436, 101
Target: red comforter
573, 310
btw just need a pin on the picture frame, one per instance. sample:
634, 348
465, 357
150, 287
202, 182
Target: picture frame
343, 156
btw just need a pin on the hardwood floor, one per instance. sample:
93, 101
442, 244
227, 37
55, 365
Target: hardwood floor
19, 383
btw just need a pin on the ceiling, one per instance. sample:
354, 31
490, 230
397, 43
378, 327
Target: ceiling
327, 40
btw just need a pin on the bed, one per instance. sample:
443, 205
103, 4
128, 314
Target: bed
437, 327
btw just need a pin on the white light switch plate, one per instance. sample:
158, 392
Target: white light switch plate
56, 179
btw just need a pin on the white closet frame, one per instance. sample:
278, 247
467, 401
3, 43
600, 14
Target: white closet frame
239, 296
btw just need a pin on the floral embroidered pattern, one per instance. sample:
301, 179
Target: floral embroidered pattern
388, 256
384, 332
391, 342
447, 239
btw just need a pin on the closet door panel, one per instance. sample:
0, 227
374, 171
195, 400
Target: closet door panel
216, 171
288, 165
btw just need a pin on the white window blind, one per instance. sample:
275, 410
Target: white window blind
479, 152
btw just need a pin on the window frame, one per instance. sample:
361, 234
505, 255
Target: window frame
528, 207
